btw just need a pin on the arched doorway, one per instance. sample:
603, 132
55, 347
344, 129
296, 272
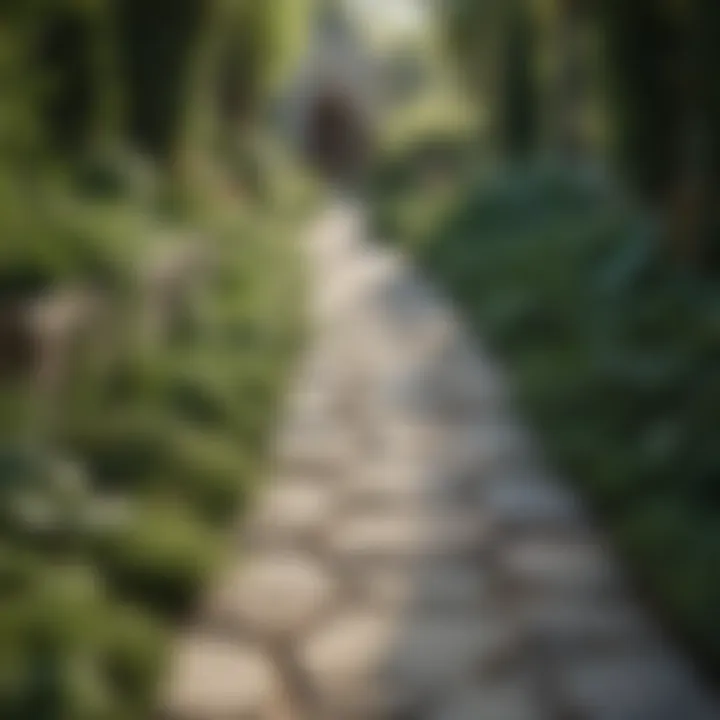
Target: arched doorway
336, 136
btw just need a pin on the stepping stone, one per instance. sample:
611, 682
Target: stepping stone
576, 566
434, 652
307, 450
387, 587
309, 416
404, 390
389, 484
380, 534
528, 501
274, 595
342, 659
510, 700
469, 399
397, 461
311, 388
451, 586
563, 627
642, 686
489, 449
398, 533
412, 439
212, 679
291, 511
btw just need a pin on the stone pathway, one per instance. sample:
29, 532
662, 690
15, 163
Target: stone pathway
412, 558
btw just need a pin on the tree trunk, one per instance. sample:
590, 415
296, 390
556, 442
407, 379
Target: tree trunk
570, 80
158, 39
648, 58
65, 54
517, 117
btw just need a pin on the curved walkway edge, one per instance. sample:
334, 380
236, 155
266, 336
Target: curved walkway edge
412, 557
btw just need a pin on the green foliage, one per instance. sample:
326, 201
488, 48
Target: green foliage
642, 47
65, 50
154, 457
470, 27
257, 46
158, 42
518, 105
613, 352
120, 475
494, 45
160, 558
68, 652
665, 110
84, 249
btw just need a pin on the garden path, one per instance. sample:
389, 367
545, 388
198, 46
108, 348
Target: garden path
413, 557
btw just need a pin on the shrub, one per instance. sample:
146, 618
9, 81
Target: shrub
160, 558
614, 356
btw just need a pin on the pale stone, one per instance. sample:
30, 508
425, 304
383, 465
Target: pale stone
506, 701
451, 586
274, 594
212, 679
490, 447
292, 509
561, 565
435, 651
529, 501
388, 586
398, 533
312, 403
413, 440
635, 686
342, 659
380, 534
404, 390
306, 422
464, 394
390, 482
564, 626
311, 451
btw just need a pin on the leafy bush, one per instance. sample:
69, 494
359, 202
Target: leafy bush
123, 457
614, 354
137, 480
67, 651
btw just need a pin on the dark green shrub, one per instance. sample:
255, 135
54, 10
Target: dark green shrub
614, 356
161, 558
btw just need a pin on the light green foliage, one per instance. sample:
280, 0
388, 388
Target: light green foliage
118, 484
137, 481
258, 47
494, 44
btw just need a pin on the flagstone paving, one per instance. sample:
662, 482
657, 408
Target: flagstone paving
412, 557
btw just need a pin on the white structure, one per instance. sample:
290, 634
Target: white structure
337, 76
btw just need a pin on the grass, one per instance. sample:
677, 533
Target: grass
613, 351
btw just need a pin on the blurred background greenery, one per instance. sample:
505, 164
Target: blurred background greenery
573, 217
554, 164
150, 305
